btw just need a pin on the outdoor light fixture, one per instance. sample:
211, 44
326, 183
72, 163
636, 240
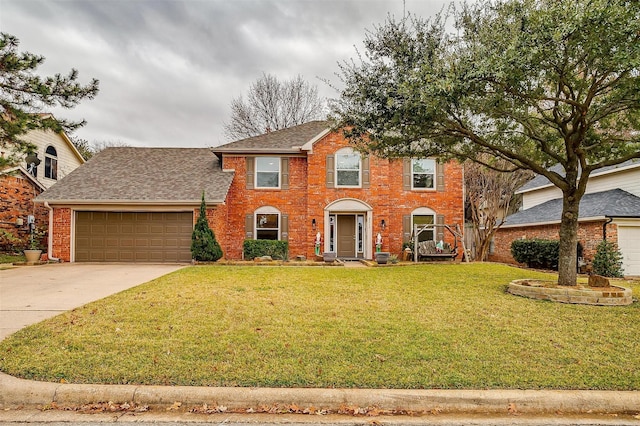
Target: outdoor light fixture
313, 224
383, 224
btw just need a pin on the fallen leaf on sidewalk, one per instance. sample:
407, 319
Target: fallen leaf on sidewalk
176, 406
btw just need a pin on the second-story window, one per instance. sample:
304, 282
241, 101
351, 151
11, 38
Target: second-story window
51, 163
267, 172
348, 168
423, 173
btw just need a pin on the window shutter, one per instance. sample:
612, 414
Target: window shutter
406, 228
439, 176
284, 173
406, 174
331, 171
366, 178
284, 227
250, 172
439, 229
248, 227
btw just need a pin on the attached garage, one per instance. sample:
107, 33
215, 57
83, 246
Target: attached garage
133, 236
629, 245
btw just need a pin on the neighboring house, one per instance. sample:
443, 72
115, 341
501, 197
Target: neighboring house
609, 209
19, 185
140, 204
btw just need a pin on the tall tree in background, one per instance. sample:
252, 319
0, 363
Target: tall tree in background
89, 149
25, 95
489, 199
532, 82
272, 104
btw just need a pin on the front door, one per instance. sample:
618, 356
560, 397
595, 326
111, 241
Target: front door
346, 236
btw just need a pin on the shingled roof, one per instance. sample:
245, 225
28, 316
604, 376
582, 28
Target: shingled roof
127, 175
612, 203
288, 140
540, 181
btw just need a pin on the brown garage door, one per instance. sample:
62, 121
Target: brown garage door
133, 236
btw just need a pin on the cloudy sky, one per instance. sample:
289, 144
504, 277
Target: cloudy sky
168, 69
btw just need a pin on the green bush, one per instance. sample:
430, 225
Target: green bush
257, 248
608, 260
204, 246
536, 253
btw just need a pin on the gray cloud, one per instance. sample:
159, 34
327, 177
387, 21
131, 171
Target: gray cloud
168, 69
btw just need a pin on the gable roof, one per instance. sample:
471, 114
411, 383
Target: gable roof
612, 203
125, 175
290, 140
25, 173
540, 181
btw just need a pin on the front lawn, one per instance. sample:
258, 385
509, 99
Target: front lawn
11, 258
426, 326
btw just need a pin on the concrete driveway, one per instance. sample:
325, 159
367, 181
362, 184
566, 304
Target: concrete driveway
30, 294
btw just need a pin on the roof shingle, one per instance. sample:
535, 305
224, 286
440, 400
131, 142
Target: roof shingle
287, 140
146, 176
612, 203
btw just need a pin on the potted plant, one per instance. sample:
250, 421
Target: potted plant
382, 257
34, 246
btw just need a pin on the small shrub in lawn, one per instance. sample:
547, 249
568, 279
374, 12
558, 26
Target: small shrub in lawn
608, 260
536, 253
257, 248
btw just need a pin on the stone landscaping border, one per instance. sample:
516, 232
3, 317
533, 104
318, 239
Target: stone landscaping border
603, 296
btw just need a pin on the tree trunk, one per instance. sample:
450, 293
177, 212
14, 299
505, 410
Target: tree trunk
567, 270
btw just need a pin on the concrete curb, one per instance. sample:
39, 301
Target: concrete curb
16, 392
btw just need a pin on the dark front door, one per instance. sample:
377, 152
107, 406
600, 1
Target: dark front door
346, 235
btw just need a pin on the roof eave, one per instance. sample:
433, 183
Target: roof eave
555, 222
126, 202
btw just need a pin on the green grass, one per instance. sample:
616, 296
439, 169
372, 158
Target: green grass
11, 258
426, 326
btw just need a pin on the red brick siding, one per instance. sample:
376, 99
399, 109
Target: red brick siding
216, 217
16, 201
62, 234
308, 196
589, 235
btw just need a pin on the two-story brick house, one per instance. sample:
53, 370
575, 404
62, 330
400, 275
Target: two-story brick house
53, 158
291, 184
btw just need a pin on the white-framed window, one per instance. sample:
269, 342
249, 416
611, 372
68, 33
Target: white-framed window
348, 168
267, 223
423, 173
424, 216
267, 172
51, 163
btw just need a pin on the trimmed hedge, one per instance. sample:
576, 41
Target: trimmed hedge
536, 253
278, 250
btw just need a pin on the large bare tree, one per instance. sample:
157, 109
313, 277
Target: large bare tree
272, 104
489, 199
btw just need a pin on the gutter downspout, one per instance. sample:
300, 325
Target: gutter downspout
604, 228
50, 242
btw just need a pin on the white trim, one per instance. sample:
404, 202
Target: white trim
308, 146
345, 152
592, 175
435, 175
25, 172
554, 222
133, 203
267, 210
255, 172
